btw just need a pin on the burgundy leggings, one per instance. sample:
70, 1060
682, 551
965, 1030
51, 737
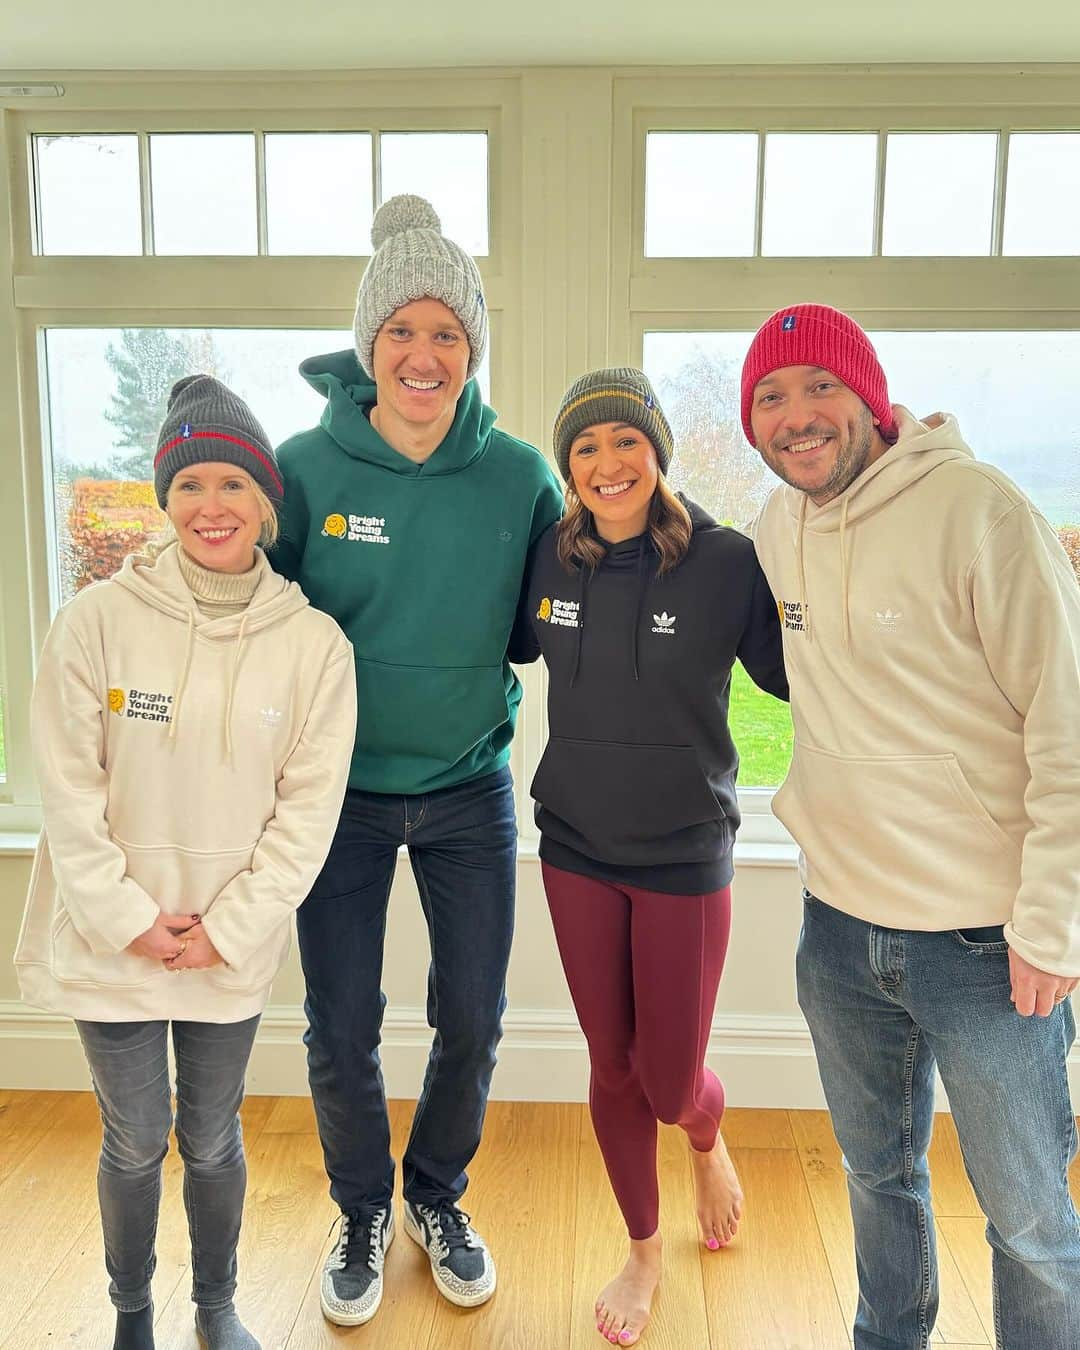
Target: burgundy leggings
643, 969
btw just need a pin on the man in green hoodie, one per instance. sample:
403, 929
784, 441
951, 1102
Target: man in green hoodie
409, 518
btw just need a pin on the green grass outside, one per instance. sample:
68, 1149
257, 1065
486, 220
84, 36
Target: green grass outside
761, 726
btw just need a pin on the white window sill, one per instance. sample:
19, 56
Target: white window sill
17, 844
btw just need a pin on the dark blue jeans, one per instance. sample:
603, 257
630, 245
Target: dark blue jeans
462, 847
130, 1066
884, 1006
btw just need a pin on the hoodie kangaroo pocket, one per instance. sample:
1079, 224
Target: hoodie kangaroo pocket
629, 804
258, 971
74, 962
910, 816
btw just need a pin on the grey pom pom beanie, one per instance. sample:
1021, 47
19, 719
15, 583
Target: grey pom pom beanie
413, 261
618, 394
206, 423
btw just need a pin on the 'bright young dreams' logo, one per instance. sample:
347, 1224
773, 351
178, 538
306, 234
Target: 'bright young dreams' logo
362, 529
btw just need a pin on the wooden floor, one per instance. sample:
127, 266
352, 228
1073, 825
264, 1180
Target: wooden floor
541, 1200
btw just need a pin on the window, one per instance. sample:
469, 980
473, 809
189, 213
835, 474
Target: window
211, 193
88, 194
849, 194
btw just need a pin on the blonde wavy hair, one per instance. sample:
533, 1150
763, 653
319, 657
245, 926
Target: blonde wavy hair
668, 525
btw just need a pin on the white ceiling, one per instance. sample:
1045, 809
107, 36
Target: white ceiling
59, 35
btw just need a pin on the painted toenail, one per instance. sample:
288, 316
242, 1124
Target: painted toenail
713, 1245
624, 1336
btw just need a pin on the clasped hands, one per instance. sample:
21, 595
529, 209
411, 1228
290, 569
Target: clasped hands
178, 941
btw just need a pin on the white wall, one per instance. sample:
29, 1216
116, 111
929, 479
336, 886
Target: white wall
759, 1046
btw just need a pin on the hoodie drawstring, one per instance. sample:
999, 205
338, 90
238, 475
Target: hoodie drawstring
584, 578
182, 686
637, 605
232, 686
845, 576
799, 543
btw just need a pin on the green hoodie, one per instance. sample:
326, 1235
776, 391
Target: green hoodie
422, 566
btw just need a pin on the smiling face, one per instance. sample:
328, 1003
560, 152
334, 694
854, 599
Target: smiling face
421, 361
217, 515
614, 472
813, 431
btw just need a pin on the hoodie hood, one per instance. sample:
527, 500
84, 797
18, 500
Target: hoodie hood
920, 447
350, 395
158, 582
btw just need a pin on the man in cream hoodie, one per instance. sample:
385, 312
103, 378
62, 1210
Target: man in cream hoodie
932, 640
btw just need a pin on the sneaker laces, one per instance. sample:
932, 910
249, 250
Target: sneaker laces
451, 1227
360, 1238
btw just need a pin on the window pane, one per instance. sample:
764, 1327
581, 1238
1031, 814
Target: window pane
450, 169
88, 194
819, 194
964, 373
106, 395
700, 194
939, 194
318, 192
203, 189
1042, 194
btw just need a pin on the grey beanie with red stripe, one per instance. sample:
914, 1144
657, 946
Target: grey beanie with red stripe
206, 423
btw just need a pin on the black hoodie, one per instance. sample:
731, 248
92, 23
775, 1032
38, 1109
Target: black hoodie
637, 783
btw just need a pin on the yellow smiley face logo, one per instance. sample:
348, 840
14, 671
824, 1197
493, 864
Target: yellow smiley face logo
544, 612
116, 700
335, 526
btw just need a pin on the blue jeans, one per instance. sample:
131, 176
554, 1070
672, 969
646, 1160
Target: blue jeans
130, 1067
462, 847
884, 1005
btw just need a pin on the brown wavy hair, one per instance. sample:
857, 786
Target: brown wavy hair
577, 543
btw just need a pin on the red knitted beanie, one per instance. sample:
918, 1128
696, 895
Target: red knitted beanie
817, 335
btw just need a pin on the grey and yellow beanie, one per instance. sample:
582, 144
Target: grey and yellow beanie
413, 261
618, 394
205, 422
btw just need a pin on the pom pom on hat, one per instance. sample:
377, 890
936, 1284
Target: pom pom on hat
399, 214
413, 260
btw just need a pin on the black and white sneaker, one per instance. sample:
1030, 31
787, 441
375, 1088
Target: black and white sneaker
460, 1262
352, 1279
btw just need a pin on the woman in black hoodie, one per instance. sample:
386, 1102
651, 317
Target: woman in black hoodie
640, 603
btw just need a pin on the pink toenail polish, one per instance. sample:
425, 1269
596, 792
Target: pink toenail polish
713, 1245
624, 1335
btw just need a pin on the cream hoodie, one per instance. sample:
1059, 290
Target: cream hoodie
932, 640
187, 764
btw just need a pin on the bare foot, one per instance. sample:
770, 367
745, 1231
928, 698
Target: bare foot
719, 1195
622, 1310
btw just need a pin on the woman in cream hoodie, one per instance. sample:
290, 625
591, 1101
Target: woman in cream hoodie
193, 720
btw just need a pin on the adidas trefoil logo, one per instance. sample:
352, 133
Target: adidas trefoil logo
889, 618
269, 717
664, 623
